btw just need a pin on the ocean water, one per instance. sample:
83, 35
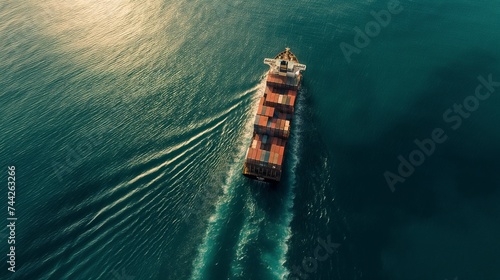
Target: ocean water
128, 122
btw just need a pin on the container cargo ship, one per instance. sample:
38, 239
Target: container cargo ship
271, 130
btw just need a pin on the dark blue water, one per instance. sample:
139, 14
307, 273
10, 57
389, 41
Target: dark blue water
128, 124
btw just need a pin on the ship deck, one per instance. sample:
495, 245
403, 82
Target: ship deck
287, 55
265, 156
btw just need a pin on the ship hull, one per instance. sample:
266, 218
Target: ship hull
272, 126
260, 178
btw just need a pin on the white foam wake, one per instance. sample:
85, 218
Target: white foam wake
206, 251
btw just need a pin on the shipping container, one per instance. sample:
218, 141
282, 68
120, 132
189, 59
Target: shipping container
272, 122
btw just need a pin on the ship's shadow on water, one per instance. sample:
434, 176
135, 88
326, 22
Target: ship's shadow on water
271, 197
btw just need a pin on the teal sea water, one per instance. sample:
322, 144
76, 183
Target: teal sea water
128, 124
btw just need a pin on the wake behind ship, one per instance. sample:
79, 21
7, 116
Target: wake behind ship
264, 158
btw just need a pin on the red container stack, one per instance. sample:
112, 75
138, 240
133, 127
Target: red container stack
266, 151
281, 99
271, 128
278, 81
